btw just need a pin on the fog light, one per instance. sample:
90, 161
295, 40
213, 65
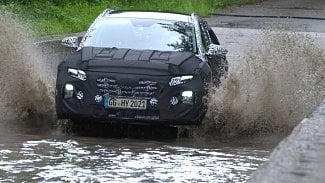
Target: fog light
68, 91
187, 97
80, 95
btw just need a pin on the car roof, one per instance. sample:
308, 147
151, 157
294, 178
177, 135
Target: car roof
150, 15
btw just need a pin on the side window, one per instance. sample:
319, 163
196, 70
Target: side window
205, 37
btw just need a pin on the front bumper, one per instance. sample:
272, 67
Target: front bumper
155, 90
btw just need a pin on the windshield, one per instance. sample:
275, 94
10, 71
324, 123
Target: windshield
136, 33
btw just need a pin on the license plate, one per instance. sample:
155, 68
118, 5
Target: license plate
125, 103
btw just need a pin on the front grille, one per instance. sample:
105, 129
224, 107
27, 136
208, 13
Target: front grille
141, 89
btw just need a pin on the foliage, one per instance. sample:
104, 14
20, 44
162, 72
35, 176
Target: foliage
66, 16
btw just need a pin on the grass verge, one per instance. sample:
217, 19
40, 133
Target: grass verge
59, 17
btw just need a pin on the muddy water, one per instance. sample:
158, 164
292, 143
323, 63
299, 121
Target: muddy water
37, 155
276, 78
228, 147
27, 83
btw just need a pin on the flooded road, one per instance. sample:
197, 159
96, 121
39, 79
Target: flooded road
275, 79
29, 155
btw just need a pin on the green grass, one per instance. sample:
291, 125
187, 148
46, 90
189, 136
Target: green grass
50, 18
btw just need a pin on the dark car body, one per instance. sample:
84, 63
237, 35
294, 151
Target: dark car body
140, 67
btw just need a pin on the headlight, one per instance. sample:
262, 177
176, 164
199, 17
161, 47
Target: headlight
180, 80
79, 74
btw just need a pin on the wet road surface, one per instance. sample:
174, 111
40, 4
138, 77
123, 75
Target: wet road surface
290, 15
43, 154
32, 154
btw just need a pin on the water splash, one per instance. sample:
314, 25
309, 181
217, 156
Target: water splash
27, 86
280, 82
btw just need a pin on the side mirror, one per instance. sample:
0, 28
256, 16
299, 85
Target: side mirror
71, 42
217, 50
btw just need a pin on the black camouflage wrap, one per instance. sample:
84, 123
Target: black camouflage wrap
138, 74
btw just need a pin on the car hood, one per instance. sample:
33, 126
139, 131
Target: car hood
121, 60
